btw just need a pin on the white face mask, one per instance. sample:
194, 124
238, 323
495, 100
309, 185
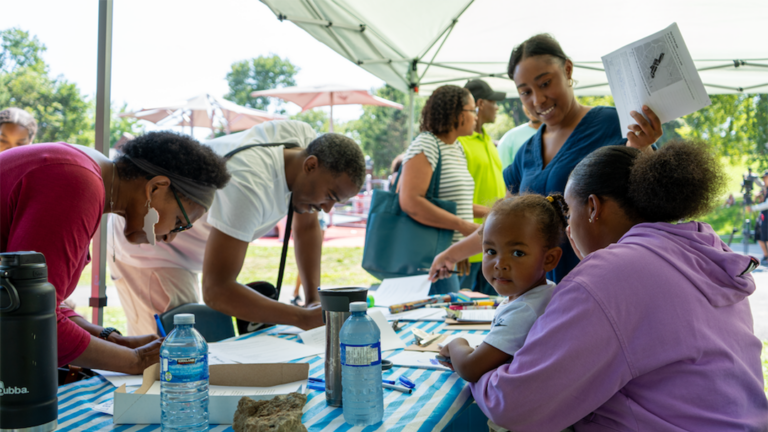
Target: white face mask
150, 219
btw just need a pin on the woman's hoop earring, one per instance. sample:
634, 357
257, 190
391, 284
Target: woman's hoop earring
570, 82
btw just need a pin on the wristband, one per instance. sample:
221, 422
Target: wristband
107, 331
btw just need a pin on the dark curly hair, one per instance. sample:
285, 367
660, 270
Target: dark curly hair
441, 112
339, 154
180, 154
540, 44
682, 180
549, 212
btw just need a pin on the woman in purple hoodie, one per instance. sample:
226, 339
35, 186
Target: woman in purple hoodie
652, 331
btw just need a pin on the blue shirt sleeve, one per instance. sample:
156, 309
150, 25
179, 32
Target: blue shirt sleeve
513, 174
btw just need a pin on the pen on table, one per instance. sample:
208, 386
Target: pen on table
449, 271
160, 326
491, 303
397, 388
443, 359
319, 384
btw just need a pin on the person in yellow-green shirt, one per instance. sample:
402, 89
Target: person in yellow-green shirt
485, 167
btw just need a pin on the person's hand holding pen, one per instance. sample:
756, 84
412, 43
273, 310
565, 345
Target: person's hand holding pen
442, 266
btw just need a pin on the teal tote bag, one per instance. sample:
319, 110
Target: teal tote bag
395, 244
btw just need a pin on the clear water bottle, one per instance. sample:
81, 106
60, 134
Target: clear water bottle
184, 378
362, 394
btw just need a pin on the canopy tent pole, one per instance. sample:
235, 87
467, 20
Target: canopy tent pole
413, 87
98, 299
330, 120
411, 114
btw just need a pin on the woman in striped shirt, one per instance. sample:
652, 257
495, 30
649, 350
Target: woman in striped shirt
448, 114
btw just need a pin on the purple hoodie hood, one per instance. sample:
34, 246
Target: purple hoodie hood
695, 250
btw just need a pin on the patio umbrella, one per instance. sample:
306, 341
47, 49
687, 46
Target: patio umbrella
201, 111
326, 95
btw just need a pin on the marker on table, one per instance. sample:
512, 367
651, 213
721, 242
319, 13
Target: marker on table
443, 359
319, 384
160, 326
397, 388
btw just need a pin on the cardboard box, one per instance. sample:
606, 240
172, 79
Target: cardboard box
142, 408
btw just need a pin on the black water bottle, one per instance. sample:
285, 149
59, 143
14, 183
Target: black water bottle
28, 359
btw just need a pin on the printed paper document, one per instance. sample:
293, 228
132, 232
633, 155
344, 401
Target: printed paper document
479, 315
389, 339
402, 290
263, 349
656, 71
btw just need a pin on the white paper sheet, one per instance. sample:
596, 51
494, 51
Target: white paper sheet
117, 379
474, 340
217, 358
214, 390
656, 71
389, 339
416, 359
478, 315
421, 314
402, 290
289, 330
107, 407
263, 349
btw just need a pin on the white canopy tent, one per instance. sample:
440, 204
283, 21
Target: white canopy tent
421, 45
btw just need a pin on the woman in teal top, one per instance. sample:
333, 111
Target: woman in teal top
570, 131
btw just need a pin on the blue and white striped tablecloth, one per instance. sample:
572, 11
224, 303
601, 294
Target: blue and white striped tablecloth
439, 398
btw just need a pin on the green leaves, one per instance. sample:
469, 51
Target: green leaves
260, 73
383, 132
58, 106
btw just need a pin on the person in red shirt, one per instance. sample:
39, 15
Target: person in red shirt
52, 197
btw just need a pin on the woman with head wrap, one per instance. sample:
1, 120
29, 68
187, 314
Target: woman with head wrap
17, 128
52, 197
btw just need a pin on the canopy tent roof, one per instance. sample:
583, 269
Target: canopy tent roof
428, 43
308, 97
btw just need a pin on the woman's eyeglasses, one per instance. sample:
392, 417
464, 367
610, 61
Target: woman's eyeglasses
183, 227
473, 111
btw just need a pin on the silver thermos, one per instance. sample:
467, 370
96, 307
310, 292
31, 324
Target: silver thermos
335, 303
28, 372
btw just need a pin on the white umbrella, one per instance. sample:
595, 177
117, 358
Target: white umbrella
201, 111
326, 95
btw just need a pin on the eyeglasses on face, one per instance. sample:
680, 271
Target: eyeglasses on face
183, 227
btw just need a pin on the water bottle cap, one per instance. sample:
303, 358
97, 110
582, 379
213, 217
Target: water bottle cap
184, 319
358, 306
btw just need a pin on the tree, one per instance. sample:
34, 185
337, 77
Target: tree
316, 118
736, 124
58, 106
260, 73
383, 132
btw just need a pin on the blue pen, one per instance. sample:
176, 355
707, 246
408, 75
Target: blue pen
160, 326
316, 386
406, 382
317, 380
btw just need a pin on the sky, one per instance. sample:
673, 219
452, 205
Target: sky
171, 50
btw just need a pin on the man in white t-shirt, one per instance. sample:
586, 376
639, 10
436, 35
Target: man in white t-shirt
314, 176
319, 172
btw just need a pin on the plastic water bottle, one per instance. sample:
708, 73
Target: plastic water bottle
184, 378
362, 394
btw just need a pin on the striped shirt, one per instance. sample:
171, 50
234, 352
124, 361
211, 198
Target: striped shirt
456, 183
